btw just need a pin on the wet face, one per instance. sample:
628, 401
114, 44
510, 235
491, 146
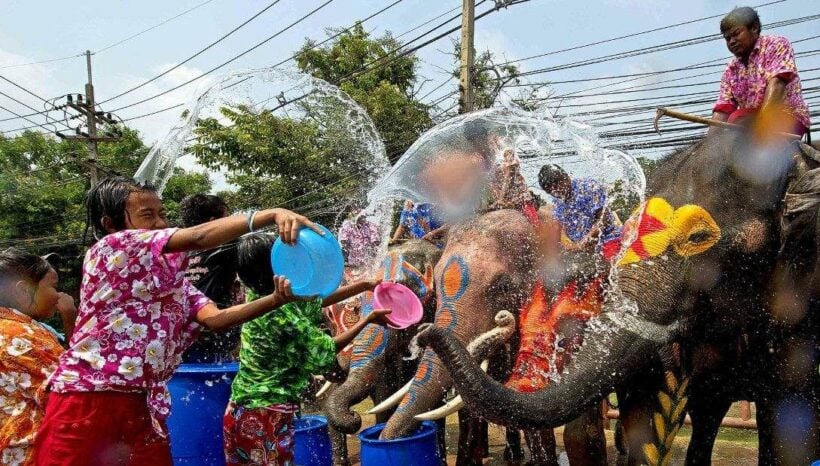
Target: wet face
740, 40
144, 211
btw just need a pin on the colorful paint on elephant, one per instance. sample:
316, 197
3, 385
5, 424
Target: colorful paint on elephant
372, 341
540, 321
656, 226
453, 281
424, 374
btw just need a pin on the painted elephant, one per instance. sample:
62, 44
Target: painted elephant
377, 366
717, 285
486, 266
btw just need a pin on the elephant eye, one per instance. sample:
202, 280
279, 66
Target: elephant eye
699, 237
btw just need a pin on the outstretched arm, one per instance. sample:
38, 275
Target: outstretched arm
222, 319
349, 291
217, 232
775, 92
378, 316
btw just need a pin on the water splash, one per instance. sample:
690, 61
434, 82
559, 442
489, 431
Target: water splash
286, 93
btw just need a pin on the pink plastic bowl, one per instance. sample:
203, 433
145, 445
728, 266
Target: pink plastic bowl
401, 300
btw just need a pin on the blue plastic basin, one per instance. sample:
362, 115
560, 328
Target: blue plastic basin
312, 442
199, 394
314, 265
419, 449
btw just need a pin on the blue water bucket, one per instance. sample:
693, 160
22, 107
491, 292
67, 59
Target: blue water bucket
419, 449
199, 394
314, 265
312, 442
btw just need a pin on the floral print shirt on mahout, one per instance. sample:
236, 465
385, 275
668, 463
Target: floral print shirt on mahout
136, 318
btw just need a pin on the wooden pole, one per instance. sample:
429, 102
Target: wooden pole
706, 121
465, 87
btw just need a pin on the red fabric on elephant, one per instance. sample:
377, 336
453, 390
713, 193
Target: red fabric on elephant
540, 323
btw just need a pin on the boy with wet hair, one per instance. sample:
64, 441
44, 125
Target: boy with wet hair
213, 272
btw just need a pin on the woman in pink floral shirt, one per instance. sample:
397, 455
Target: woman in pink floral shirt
763, 74
138, 313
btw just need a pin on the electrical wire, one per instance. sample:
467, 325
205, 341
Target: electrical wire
196, 54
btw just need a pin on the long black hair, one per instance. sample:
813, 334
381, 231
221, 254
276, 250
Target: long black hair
108, 198
253, 262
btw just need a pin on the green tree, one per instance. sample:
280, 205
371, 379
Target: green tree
623, 202
44, 180
370, 71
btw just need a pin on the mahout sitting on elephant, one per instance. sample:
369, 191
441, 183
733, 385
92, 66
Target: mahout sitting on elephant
717, 281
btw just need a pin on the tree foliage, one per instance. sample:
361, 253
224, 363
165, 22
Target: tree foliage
44, 180
372, 73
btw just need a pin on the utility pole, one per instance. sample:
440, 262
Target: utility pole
93, 117
465, 86
91, 122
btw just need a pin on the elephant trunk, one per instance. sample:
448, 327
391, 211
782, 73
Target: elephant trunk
338, 405
610, 354
426, 392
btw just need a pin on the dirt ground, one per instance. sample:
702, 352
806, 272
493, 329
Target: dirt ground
734, 447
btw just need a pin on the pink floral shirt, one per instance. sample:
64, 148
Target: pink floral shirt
136, 318
744, 85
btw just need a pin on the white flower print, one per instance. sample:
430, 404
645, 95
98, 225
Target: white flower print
121, 323
140, 291
14, 456
137, 331
156, 326
145, 260
68, 377
89, 350
12, 381
155, 354
112, 357
11, 407
105, 293
162, 333
117, 260
156, 310
19, 346
123, 344
130, 367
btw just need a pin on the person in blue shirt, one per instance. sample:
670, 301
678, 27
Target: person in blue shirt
417, 220
580, 207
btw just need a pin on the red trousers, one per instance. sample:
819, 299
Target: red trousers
99, 428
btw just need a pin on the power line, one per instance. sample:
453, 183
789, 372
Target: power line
198, 53
281, 31
627, 36
107, 47
292, 57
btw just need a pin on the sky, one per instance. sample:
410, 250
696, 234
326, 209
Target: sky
36, 31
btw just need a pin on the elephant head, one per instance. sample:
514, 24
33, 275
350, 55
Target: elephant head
376, 357
486, 267
694, 259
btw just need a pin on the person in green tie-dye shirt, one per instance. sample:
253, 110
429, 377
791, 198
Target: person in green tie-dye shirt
280, 352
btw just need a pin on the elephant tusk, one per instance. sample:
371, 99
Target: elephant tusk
319, 377
450, 407
393, 400
443, 411
324, 389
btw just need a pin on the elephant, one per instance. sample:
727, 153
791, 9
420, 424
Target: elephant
717, 287
374, 365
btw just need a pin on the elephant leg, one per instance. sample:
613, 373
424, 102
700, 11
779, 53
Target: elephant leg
584, 438
512, 450
636, 407
338, 442
706, 418
470, 451
542, 447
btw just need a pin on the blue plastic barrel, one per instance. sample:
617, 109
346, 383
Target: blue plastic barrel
419, 449
312, 442
199, 395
